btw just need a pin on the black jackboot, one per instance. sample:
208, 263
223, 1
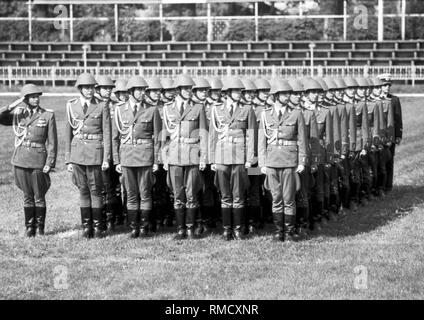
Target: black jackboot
98, 224
239, 223
134, 221
40, 216
87, 222
110, 219
191, 214
201, 214
289, 228
226, 224
30, 221
144, 225
181, 225
279, 226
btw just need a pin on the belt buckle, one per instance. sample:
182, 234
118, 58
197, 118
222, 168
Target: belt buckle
230, 139
280, 142
182, 139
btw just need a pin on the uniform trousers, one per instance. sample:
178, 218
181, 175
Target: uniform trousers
34, 183
89, 181
282, 184
185, 183
138, 182
232, 182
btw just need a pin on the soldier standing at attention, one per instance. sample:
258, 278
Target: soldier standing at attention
254, 217
200, 94
88, 151
137, 131
231, 152
303, 196
120, 207
393, 106
112, 205
362, 140
282, 154
186, 155
34, 155
312, 90
348, 131
160, 195
210, 194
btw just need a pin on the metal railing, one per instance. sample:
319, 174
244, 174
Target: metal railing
11, 74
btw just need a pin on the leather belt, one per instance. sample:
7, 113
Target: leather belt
139, 141
89, 136
33, 144
283, 142
188, 140
232, 139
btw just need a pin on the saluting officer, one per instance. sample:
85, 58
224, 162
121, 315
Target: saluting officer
303, 196
88, 151
282, 152
34, 155
348, 129
393, 104
186, 155
231, 152
362, 140
111, 183
138, 127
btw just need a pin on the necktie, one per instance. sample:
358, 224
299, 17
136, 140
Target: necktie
280, 114
231, 109
31, 112
182, 108
85, 107
135, 110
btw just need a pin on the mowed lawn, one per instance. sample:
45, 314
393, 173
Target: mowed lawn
377, 253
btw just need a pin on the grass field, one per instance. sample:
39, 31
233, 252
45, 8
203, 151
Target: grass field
377, 253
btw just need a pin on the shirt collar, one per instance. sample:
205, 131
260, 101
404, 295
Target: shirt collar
29, 110
133, 103
84, 100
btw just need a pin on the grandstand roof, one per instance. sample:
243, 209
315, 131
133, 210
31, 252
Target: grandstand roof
138, 1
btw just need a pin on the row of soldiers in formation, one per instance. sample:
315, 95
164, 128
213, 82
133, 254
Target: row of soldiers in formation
297, 152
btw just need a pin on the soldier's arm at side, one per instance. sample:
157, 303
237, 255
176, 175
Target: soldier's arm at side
203, 134
398, 118
212, 140
68, 140
352, 129
344, 127
107, 135
314, 140
52, 142
157, 129
379, 129
365, 127
390, 124
336, 133
250, 134
329, 137
116, 139
301, 140
262, 147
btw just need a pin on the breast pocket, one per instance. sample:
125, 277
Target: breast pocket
288, 130
241, 123
95, 118
146, 123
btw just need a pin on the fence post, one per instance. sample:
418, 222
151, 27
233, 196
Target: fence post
413, 73
53, 76
9, 75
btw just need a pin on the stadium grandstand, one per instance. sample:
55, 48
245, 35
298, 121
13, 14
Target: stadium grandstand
288, 38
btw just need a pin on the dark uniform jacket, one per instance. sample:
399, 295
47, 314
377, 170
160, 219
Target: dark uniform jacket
138, 136
312, 139
325, 134
350, 124
387, 121
231, 137
88, 136
397, 115
188, 143
375, 121
362, 126
35, 137
282, 140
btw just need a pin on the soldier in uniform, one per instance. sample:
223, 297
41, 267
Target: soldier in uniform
231, 152
391, 103
282, 152
362, 140
186, 154
210, 194
313, 100
303, 196
254, 217
34, 155
262, 101
348, 133
168, 96
138, 127
88, 151
111, 184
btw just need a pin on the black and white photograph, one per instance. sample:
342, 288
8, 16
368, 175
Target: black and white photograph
226, 153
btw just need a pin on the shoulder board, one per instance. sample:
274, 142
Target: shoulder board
73, 100
18, 110
169, 103
48, 110
120, 103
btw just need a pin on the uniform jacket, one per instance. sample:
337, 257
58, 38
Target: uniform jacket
362, 126
337, 128
397, 115
312, 140
282, 141
231, 137
188, 144
88, 136
138, 136
375, 121
348, 126
36, 137
387, 121
325, 134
